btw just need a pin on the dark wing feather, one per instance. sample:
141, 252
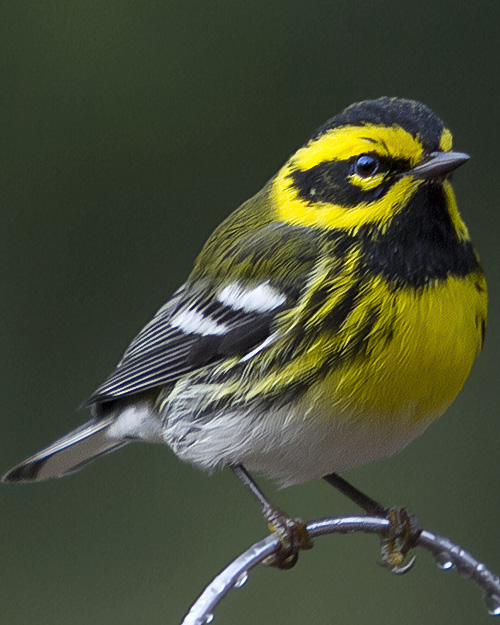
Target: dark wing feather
162, 353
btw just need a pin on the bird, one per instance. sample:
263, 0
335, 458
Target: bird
326, 323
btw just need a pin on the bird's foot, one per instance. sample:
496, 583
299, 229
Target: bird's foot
401, 536
293, 537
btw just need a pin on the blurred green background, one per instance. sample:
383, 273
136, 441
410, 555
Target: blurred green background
128, 131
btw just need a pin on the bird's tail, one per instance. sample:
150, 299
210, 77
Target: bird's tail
67, 454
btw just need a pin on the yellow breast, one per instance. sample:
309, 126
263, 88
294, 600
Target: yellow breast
414, 372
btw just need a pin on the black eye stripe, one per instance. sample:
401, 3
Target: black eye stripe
384, 164
329, 182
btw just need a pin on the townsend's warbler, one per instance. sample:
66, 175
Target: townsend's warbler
326, 323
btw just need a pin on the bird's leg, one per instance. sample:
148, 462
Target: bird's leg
369, 505
402, 533
292, 532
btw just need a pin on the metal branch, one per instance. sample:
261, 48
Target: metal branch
447, 554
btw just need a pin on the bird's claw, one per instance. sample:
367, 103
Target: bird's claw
293, 537
399, 538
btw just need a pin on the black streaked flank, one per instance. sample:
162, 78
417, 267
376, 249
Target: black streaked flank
336, 317
356, 347
414, 117
318, 298
333, 320
420, 244
358, 344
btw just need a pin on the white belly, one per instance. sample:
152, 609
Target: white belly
290, 448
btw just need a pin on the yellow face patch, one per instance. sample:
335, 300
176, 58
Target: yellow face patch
293, 209
446, 141
372, 182
458, 224
342, 144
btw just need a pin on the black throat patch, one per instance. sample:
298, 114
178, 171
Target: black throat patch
420, 244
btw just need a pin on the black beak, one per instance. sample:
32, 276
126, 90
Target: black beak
438, 164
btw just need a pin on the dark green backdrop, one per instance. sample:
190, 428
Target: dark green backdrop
128, 130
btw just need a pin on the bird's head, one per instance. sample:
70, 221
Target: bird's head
364, 166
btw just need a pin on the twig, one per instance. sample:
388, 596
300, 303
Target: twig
446, 553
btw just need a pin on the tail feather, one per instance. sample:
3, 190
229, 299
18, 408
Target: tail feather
67, 454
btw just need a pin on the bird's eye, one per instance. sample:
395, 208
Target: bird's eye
366, 165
